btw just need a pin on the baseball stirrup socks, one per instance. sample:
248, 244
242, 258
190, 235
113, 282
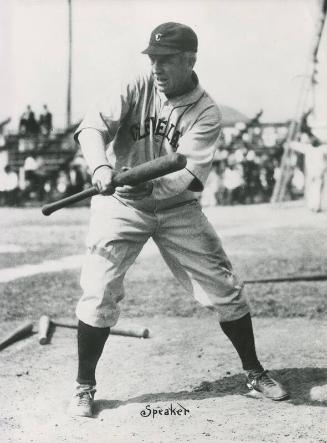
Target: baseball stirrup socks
240, 333
91, 341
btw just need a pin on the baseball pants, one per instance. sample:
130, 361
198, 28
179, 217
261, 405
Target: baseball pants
187, 242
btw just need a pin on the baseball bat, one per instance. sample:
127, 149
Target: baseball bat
295, 278
137, 332
43, 331
134, 176
131, 332
18, 333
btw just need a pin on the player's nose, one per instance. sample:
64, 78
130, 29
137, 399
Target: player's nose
156, 67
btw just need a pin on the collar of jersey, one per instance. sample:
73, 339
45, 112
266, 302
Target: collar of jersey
185, 99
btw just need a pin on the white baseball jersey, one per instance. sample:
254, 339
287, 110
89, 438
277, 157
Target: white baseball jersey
139, 124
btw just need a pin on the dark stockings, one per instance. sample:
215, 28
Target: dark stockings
240, 333
91, 342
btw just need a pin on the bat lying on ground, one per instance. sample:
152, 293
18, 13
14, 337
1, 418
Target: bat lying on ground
134, 176
18, 333
44, 327
45, 323
317, 277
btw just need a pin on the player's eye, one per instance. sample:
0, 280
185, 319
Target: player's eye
159, 60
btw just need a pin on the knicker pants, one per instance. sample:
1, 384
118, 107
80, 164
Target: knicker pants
187, 242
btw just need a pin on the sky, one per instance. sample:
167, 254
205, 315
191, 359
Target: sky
253, 54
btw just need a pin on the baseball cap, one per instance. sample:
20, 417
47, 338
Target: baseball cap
171, 38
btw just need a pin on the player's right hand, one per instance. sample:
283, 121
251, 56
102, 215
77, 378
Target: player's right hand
103, 180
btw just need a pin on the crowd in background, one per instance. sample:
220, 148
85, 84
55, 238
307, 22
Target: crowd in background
247, 166
244, 170
38, 185
9, 187
246, 176
33, 181
34, 132
240, 178
29, 125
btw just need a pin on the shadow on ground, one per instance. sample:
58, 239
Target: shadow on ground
298, 381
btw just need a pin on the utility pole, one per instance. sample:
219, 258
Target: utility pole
69, 84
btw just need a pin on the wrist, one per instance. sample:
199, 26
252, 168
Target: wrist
101, 166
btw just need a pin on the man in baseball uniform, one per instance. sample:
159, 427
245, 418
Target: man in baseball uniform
152, 116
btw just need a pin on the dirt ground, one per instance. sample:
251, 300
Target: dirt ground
187, 364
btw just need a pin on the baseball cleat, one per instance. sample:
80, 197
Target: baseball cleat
261, 382
81, 404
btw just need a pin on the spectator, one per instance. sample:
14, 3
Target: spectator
2, 135
62, 184
209, 194
23, 124
30, 166
35, 175
78, 175
277, 170
28, 126
266, 177
32, 124
45, 121
221, 191
297, 183
252, 182
316, 172
234, 184
9, 186
2, 186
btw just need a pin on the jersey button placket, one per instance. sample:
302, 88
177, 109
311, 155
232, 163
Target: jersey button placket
162, 116
165, 116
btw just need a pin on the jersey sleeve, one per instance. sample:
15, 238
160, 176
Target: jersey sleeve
107, 114
199, 145
171, 184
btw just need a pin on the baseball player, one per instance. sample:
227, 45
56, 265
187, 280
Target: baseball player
152, 116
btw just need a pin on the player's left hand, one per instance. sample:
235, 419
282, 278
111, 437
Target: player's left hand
137, 192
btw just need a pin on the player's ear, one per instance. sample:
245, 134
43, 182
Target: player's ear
191, 58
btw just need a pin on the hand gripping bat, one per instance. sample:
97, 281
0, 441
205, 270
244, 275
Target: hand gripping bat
134, 176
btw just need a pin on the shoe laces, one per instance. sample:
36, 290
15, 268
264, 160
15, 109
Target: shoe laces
84, 397
263, 376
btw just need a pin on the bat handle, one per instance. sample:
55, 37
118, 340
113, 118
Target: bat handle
52, 207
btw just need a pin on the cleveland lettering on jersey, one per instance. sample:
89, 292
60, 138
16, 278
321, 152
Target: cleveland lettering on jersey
156, 127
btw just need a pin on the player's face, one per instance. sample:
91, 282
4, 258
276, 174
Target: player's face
172, 73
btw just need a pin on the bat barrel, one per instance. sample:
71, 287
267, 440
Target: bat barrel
150, 170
